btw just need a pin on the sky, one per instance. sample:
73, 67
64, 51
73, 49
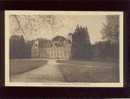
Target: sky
34, 26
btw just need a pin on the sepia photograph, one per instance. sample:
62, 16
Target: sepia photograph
64, 48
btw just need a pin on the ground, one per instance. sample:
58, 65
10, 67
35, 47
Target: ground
40, 70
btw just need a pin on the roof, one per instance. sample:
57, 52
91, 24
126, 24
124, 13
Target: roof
59, 38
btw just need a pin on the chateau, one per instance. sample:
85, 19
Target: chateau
57, 48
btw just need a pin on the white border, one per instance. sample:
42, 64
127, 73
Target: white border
27, 12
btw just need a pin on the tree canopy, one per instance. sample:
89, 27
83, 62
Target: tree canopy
81, 47
110, 30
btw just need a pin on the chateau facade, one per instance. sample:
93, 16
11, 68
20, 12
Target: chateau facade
57, 48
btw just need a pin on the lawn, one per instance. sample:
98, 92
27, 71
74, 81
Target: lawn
89, 71
23, 65
66, 71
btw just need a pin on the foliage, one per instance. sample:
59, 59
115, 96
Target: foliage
105, 51
110, 30
81, 47
19, 48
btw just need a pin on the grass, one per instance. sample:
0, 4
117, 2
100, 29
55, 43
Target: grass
82, 62
24, 65
89, 71
72, 70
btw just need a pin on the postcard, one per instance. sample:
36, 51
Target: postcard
64, 48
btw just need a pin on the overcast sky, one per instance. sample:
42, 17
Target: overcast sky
36, 27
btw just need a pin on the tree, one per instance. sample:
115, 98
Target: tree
30, 25
110, 30
19, 48
13, 46
81, 47
110, 33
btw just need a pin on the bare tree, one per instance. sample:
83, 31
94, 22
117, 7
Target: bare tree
19, 25
34, 24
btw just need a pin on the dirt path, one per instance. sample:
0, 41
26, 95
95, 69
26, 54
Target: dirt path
49, 72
